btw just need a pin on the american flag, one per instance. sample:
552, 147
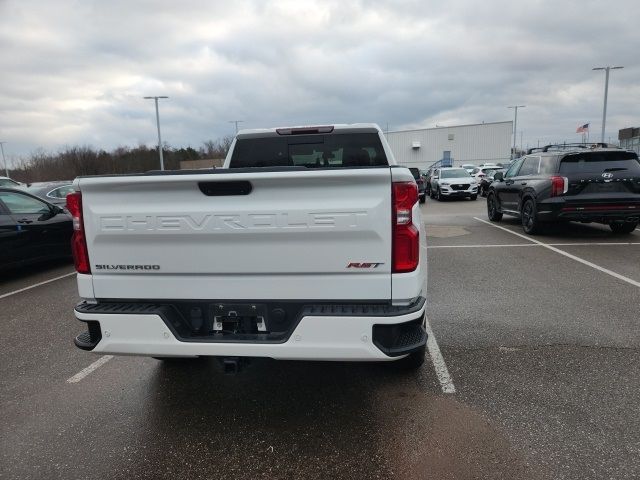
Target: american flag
583, 128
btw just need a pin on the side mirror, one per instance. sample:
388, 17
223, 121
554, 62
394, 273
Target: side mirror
56, 210
498, 176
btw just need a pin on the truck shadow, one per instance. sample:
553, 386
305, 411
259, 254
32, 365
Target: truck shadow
274, 420
311, 420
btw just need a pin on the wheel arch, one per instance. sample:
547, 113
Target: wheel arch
527, 195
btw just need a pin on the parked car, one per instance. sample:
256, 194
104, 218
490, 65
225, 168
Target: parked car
31, 229
481, 171
468, 167
420, 181
490, 165
453, 182
298, 263
487, 179
570, 183
9, 182
426, 176
52, 192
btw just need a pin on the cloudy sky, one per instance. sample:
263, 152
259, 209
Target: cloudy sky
74, 72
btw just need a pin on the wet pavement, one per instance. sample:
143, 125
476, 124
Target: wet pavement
543, 352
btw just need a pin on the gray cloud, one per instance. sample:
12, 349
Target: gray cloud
75, 72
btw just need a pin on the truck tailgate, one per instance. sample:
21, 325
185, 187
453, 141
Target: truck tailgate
312, 234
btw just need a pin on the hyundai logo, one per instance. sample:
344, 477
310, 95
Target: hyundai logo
607, 175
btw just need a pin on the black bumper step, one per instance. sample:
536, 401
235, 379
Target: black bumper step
89, 339
324, 309
400, 339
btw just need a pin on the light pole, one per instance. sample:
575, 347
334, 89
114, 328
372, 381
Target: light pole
236, 123
606, 93
158, 123
4, 160
521, 141
515, 125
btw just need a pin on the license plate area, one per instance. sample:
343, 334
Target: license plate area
239, 318
610, 187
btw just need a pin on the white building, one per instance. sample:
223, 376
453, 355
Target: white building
478, 143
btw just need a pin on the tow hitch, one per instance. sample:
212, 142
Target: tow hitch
239, 318
233, 365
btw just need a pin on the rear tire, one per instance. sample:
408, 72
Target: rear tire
438, 195
423, 198
623, 228
492, 208
473, 197
413, 361
529, 217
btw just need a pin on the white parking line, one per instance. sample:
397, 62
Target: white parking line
439, 365
566, 254
575, 244
36, 285
485, 246
86, 371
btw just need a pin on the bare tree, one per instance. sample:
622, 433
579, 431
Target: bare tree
71, 161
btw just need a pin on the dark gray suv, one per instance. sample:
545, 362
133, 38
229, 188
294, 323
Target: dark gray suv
584, 183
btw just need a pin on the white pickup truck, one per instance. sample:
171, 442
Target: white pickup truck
308, 245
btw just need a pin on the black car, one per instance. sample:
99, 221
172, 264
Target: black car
570, 183
485, 180
52, 192
426, 178
420, 181
31, 229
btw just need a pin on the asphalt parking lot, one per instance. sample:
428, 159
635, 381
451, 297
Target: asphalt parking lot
539, 353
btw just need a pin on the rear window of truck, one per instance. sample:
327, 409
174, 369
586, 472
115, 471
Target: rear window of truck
311, 151
599, 162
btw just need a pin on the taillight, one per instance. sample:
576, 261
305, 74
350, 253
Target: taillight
559, 185
304, 130
406, 237
78, 240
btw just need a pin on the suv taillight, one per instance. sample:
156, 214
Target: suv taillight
559, 185
406, 237
78, 240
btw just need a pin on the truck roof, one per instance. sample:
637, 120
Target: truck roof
310, 129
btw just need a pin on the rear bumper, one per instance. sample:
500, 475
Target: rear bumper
601, 211
333, 337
